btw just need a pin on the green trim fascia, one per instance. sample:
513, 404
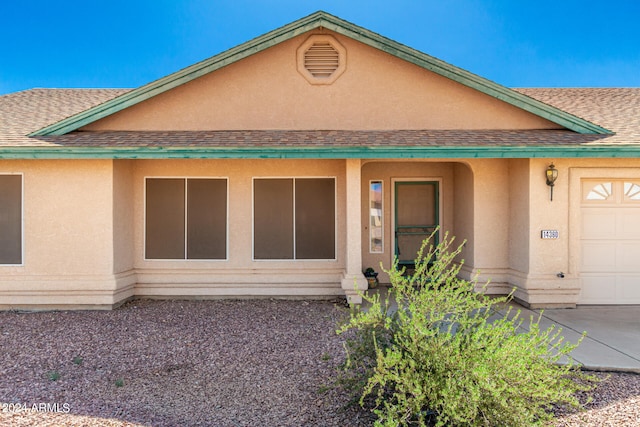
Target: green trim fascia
448, 152
322, 20
465, 77
181, 77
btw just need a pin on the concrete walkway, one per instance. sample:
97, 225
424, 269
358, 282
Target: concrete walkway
612, 342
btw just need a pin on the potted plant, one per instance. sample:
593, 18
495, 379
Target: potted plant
372, 277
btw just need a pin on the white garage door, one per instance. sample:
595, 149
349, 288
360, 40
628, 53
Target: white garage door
610, 242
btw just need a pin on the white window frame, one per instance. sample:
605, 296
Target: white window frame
618, 194
185, 259
335, 219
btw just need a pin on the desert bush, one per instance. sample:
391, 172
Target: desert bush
452, 356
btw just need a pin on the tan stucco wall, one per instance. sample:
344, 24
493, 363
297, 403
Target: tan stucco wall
535, 267
84, 228
501, 206
464, 211
239, 274
68, 217
68, 229
377, 91
519, 203
123, 228
476, 205
84, 236
491, 213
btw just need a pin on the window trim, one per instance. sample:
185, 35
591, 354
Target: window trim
589, 185
22, 240
625, 198
618, 196
294, 259
144, 220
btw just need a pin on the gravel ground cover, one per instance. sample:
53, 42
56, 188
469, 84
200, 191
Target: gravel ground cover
202, 363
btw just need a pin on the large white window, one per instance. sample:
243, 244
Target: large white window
186, 218
11, 219
294, 218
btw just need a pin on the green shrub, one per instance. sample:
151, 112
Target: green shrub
53, 375
447, 357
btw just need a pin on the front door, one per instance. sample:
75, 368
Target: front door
416, 217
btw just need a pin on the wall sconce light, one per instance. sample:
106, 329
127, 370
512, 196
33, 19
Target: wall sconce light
552, 175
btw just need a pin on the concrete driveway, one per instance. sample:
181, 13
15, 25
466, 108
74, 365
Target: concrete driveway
612, 342
613, 334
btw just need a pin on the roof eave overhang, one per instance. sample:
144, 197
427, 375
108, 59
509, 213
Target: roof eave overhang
330, 22
389, 152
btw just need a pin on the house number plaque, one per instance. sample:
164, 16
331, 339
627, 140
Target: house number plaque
550, 234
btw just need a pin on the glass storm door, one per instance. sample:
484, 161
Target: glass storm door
416, 217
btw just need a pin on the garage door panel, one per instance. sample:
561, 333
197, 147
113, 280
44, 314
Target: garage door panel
598, 224
610, 242
628, 226
598, 289
598, 256
629, 288
628, 257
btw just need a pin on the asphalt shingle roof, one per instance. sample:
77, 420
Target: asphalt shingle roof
617, 109
24, 112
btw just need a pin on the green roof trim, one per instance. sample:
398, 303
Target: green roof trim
376, 152
321, 20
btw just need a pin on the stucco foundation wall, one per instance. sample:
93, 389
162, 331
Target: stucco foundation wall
239, 274
67, 235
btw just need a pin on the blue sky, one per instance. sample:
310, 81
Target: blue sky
118, 43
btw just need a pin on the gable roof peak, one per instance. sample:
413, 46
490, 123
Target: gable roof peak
313, 21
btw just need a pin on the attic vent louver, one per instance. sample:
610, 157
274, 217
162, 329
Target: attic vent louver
321, 59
